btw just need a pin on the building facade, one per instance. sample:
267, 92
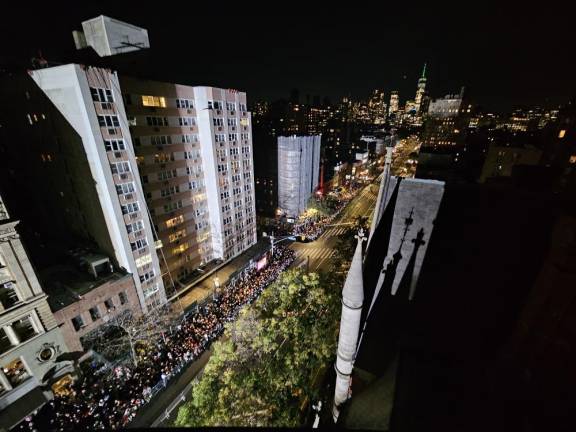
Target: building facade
298, 172
77, 168
30, 340
500, 161
194, 150
83, 304
446, 123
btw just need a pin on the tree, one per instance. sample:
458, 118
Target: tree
325, 206
122, 336
264, 365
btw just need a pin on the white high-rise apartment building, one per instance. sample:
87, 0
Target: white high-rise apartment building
115, 215
298, 172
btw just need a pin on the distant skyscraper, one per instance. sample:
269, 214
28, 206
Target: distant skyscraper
420, 91
298, 172
394, 103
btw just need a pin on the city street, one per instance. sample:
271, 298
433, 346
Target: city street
321, 250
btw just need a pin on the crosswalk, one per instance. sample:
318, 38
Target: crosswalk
335, 231
316, 253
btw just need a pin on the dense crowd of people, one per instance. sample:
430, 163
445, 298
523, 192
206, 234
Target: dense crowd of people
104, 399
313, 227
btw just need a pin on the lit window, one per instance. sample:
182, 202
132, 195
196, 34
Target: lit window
154, 101
562, 133
573, 159
16, 372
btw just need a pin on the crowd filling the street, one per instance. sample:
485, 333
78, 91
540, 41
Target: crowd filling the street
312, 227
109, 399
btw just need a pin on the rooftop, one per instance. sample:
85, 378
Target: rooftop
66, 284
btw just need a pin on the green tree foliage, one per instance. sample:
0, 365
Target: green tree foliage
264, 366
347, 241
325, 206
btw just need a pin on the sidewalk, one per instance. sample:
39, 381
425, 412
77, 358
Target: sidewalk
155, 410
203, 287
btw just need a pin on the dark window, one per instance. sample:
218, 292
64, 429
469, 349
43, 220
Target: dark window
94, 313
77, 322
109, 304
8, 296
123, 298
5, 343
24, 329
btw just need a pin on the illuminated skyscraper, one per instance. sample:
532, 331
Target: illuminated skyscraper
394, 102
420, 90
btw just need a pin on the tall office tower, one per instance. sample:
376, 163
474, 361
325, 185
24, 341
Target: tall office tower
298, 171
30, 340
194, 150
420, 91
377, 107
447, 122
76, 167
394, 103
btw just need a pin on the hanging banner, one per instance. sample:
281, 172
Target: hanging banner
262, 263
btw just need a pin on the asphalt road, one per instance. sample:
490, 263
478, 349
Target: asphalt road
321, 250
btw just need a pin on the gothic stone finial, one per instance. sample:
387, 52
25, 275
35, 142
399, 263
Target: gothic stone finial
361, 236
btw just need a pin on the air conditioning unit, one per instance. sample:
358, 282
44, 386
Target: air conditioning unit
189, 111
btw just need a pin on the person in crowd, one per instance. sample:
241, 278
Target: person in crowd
104, 400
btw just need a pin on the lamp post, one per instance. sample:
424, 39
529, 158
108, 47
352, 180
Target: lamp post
273, 241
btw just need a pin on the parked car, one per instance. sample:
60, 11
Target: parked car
303, 239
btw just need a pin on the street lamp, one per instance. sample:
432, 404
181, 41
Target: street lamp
274, 241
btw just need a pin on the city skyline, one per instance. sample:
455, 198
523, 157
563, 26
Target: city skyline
268, 60
278, 221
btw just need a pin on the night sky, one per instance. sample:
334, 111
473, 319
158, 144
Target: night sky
505, 57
